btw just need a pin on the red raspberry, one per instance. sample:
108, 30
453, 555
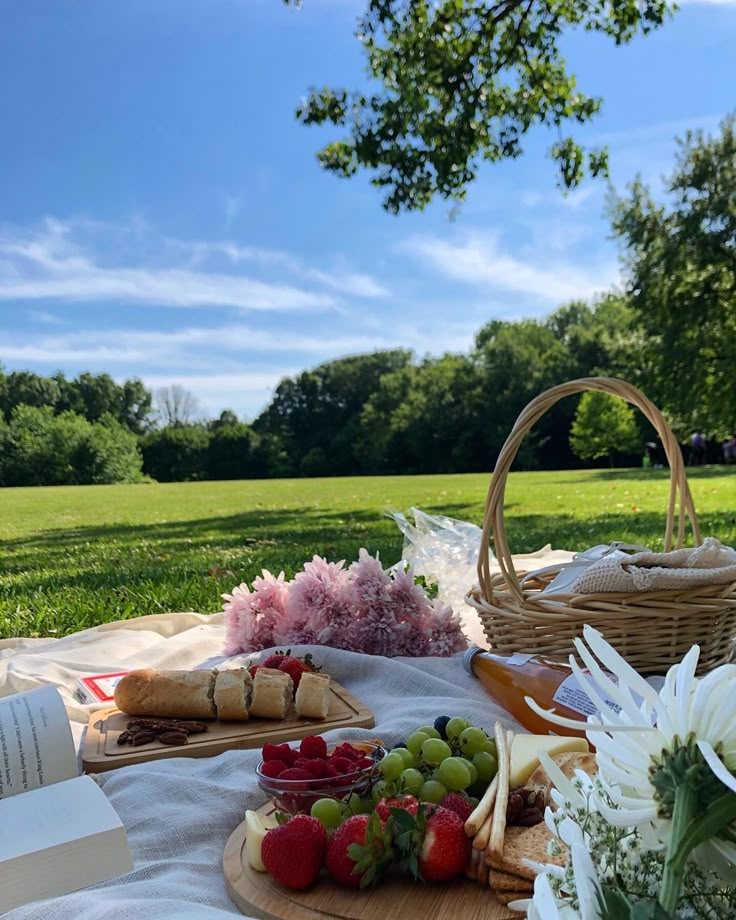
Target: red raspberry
273, 768
347, 750
317, 767
342, 765
365, 763
457, 803
273, 661
313, 746
272, 751
331, 771
301, 762
295, 773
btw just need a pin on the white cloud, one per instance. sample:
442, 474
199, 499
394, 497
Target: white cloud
61, 262
477, 259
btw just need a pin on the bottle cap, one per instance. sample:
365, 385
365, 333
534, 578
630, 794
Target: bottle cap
469, 656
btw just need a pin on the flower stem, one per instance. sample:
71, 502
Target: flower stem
686, 799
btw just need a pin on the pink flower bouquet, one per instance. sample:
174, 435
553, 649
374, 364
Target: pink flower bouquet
361, 608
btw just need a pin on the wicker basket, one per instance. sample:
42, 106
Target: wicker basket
653, 630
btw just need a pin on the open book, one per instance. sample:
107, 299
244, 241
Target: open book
58, 832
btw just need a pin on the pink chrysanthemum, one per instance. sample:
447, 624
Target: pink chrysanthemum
446, 635
362, 608
252, 616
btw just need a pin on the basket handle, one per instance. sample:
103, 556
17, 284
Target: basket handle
493, 519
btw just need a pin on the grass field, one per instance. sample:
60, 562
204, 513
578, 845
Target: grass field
73, 557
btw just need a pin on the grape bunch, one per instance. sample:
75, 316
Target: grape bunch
450, 756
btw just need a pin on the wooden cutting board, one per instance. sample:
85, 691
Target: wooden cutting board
256, 894
102, 752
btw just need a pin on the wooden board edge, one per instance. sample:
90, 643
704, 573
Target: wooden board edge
96, 760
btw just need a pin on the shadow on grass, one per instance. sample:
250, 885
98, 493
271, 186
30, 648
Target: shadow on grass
245, 542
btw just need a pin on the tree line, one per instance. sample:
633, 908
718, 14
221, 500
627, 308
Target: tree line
668, 330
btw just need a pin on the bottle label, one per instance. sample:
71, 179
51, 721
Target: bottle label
517, 660
572, 695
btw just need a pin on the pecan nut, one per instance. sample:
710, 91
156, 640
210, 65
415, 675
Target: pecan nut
173, 738
142, 737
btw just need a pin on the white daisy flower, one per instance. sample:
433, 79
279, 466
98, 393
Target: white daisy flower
685, 735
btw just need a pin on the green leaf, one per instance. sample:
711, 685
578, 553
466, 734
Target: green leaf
719, 814
613, 903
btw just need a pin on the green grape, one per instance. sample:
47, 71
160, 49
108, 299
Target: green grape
415, 741
455, 727
408, 758
486, 765
430, 731
454, 774
432, 791
382, 790
491, 747
354, 805
473, 770
435, 750
391, 765
472, 741
411, 781
473, 801
327, 811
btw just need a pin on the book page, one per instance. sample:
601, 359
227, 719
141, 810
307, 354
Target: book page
36, 746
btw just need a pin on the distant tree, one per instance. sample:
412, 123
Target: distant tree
176, 405
321, 409
232, 452
28, 389
96, 395
682, 280
226, 419
603, 427
454, 82
41, 448
177, 453
136, 406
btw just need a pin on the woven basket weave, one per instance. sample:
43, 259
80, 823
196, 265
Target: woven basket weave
653, 629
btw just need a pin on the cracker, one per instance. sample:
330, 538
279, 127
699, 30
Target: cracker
524, 843
506, 897
505, 881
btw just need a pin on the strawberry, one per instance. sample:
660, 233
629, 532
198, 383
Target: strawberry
313, 746
253, 668
294, 668
294, 853
433, 845
273, 661
406, 802
359, 852
458, 803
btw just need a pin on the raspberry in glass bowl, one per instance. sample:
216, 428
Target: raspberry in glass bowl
294, 778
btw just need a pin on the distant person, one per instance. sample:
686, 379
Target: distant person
697, 449
727, 450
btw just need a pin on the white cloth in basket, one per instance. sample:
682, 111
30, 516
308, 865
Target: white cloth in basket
711, 563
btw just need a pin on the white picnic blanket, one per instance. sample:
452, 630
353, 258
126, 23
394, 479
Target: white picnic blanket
178, 813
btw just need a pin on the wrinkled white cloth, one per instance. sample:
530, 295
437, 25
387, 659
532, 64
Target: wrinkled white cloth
711, 563
179, 812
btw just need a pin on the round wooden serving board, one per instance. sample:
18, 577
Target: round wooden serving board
256, 894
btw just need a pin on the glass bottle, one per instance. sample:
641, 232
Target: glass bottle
549, 682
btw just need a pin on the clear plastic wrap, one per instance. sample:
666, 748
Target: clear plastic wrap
443, 550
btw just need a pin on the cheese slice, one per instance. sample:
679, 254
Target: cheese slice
526, 748
256, 828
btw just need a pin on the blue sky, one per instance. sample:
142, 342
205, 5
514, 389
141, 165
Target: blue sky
162, 214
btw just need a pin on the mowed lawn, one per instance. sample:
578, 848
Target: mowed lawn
73, 557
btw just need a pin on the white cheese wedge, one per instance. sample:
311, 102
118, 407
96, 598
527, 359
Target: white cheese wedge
525, 753
256, 828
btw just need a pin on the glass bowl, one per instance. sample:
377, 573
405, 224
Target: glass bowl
296, 796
